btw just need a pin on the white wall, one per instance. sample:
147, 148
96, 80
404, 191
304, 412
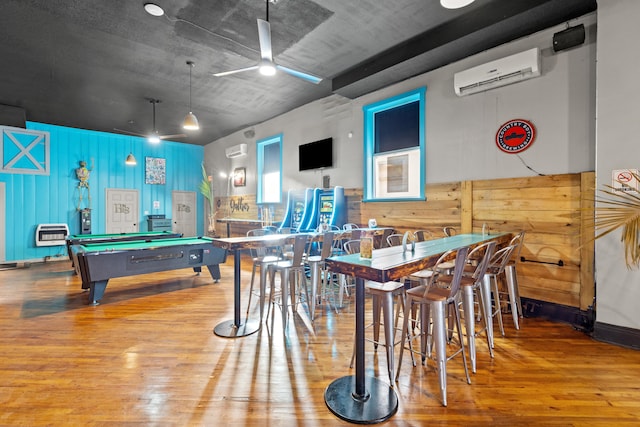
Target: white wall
618, 109
460, 131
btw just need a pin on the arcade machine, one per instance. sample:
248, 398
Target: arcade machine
297, 202
329, 207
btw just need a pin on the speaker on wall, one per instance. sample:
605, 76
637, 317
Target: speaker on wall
571, 37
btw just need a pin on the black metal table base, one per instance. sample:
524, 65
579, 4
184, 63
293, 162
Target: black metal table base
229, 329
379, 403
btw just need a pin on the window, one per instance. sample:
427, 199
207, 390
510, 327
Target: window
269, 157
394, 148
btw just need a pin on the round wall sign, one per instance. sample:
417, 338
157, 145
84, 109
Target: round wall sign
515, 136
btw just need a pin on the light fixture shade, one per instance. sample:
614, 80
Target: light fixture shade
267, 68
190, 122
131, 160
455, 4
154, 139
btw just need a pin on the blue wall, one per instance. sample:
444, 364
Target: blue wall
37, 199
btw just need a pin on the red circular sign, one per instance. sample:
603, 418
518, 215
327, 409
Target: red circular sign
515, 136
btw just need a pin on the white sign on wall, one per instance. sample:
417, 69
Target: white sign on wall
625, 180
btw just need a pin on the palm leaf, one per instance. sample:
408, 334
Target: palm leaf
620, 209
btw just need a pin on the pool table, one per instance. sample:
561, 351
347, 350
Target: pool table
80, 239
99, 262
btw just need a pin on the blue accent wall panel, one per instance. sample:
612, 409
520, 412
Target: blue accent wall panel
41, 199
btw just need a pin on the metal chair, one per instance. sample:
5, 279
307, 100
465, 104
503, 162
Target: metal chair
475, 267
292, 278
422, 235
319, 275
493, 308
512, 278
395, 239
433, 302
449, 231
350, 226
261, 260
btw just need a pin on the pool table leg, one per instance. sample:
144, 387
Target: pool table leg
214, 270
96, 291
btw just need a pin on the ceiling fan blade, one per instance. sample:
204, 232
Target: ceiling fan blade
264, 34
179, 135
129, 132
226, 73
308, 77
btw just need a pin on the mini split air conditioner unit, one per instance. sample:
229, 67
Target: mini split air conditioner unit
501, 72
236, 151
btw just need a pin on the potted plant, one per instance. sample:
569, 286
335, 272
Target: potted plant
206, 189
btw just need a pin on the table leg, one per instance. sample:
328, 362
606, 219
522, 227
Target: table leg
358, 399
235, 328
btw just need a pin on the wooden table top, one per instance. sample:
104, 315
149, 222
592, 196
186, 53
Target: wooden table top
393, 263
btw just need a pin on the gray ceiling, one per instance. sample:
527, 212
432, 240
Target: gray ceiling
93, 64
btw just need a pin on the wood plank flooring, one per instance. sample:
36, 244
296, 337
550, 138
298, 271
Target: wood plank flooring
147, 356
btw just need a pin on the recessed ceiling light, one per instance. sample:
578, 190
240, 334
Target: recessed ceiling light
153, 9
455, 4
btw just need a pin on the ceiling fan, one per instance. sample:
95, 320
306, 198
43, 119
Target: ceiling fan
154, 136
267, 66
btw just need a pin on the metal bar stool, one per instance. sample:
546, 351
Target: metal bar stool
512, 279
292, 278
433, 301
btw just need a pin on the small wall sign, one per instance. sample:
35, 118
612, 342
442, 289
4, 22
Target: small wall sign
624, 180
515, 136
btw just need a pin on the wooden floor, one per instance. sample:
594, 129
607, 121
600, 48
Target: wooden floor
147, 356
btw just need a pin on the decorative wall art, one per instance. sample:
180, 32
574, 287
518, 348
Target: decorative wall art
239, 177
155, 170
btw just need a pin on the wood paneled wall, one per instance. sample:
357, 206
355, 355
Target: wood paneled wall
552, 209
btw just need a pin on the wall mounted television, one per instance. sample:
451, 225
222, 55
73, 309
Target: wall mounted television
316, 155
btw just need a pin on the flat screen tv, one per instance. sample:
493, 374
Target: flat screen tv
316, 155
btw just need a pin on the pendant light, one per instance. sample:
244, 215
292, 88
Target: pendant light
190, 122
131, 161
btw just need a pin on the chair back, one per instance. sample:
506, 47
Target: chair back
258, 252
461, 257
517, 241
394, 239
299, 246
500, 259
422, 235
383, 240
449, 231
484, 253
327, 245
435, 272
350, 226
352, 246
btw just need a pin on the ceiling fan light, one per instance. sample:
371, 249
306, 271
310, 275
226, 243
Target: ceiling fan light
190, 122
130, 160
455, 4
267, 68
154, 139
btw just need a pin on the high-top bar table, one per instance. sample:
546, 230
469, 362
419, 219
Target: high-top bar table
369, 400
235, 328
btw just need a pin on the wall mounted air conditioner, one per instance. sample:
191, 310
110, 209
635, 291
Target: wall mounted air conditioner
501, 72
236, 151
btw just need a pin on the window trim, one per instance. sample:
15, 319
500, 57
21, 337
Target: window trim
260, 145
369, 112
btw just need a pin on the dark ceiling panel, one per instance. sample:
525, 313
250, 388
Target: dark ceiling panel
93, 64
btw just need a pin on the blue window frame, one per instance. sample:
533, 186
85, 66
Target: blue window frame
394, 148
269, 178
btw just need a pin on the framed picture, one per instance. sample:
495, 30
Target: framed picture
239, 177
155, 170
